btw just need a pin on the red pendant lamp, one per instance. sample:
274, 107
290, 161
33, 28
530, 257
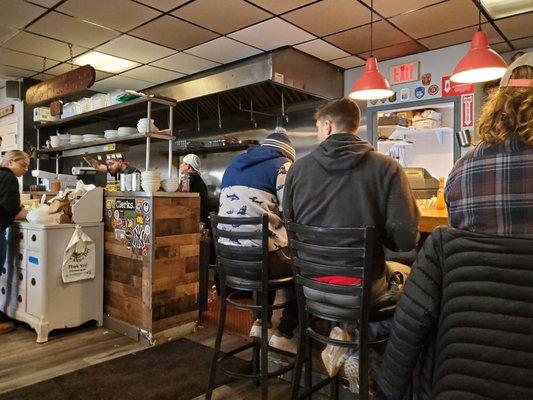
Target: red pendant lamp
480, 63
372, 85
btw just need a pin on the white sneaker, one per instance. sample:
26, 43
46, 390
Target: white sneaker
255, 332
282, 343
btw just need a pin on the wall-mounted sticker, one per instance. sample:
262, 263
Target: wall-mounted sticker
138, 237
433, 90
146, 207
127, 243
139, 219
420, 91
120, 234
129, 214
392, 99
147, 229
109, 204
109, 214
146, 249
116, 214
405, 94
125, 204
113, 223
373, 102
33, 260
120, 224
129, 223
426, 79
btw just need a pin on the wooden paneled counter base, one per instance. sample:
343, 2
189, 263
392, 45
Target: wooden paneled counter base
430, 218
152, 246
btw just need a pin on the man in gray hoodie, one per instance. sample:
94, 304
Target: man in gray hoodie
344, 183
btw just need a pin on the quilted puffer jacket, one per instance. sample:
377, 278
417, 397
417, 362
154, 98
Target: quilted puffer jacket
464, 320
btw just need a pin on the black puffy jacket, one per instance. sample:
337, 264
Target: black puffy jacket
9, 197
466, 314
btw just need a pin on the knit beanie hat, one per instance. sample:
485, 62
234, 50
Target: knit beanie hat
280, 141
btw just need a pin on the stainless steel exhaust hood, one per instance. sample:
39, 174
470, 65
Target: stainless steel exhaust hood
259, 82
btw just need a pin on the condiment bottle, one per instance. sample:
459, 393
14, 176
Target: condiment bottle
441, 204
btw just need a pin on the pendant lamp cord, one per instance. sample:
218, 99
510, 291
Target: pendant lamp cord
479, 10
371, 30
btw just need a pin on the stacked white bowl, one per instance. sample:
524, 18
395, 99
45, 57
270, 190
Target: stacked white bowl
110, 133
60, 140
170, 184
125, 131
76, 139
91, 137
150, 181
142, 126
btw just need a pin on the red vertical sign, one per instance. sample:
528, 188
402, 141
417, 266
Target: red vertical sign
455, 89
467, 110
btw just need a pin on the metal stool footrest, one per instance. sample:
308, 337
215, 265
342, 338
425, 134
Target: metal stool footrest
250, 307
326, 340
316, 387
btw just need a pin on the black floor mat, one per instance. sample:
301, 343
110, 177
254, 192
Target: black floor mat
177, 370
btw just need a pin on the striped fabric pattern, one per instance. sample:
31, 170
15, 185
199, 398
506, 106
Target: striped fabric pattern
490, 190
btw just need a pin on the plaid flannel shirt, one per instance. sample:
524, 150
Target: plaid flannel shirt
490, 190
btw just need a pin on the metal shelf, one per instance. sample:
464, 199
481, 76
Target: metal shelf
217, 149
134, 139
122, 110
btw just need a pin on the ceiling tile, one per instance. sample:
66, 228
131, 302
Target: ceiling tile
357, 40
322, 49
348, 62
442, 17
22, 60
398, 50
13, 72
135, 49
223, 50
46, 3
42, 76
63, 27
389, 8
272, 34
221, 16
500, 47
120, 82
329, 16
105, 12
164, 5
152, 74
18, 13
501, 9
66, 67
279, 7
185, 63
173, 33
459, 36
6, 33
517, 27
523, 43
42, 46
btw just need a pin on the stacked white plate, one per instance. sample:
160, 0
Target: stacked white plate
60, 140
76, 139
142, 126
125, 131
110, 133
150, 181
92, 137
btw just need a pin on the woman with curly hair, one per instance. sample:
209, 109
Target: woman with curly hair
490, 189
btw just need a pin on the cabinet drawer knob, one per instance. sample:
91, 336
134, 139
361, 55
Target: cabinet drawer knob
21, 256
21, 235
33, 238
19, 298
33, 281
3, 290
21, 276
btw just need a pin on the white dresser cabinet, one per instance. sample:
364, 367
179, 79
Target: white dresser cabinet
31, 287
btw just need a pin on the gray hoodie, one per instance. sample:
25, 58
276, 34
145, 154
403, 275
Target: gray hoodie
345, 183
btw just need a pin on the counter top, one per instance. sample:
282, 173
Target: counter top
108, 193
430, 218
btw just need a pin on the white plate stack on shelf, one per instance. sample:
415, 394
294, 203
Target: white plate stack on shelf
110, 133
92, 137
76, 139
142, 126
171, 184
150, 181
99, 100
126, 131
60, 140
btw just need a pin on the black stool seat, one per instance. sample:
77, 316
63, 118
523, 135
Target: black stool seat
246, 269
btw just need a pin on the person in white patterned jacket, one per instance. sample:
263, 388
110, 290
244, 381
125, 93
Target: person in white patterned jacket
252, 186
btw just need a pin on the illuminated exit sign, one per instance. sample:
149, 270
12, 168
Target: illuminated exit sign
404, 73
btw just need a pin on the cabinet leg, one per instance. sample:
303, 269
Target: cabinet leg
42, 333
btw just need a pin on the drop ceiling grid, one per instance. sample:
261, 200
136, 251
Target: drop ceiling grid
96, 30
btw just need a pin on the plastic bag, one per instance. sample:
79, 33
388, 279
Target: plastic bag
40, 215
333, 357
79, 260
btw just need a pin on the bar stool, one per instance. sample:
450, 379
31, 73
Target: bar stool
320, 251
245, 268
